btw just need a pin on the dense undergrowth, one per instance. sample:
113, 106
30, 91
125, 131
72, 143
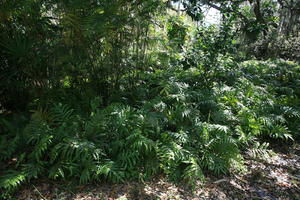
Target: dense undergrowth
127, 90
183, 123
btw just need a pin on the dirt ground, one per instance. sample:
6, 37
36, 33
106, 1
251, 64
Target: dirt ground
277, 177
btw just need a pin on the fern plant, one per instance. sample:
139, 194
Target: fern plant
186, 130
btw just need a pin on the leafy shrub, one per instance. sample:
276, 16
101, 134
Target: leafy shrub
171, 123
279, 47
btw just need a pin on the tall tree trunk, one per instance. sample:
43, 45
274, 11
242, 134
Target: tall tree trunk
289, 18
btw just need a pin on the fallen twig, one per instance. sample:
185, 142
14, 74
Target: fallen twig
44, 198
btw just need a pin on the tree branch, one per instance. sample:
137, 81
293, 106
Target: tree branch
223, 10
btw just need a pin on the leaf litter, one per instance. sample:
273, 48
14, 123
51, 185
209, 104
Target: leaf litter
275, 178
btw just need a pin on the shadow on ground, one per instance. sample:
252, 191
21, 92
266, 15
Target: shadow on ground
275, 178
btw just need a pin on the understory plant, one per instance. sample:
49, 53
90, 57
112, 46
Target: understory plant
171, 123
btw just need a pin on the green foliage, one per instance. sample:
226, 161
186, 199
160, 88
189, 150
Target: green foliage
103, 90
183, 130
280, 47
58, 50
177, 32
12, 179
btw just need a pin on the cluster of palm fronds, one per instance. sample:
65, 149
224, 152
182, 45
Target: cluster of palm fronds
170, 123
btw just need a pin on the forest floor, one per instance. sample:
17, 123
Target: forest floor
277, 177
